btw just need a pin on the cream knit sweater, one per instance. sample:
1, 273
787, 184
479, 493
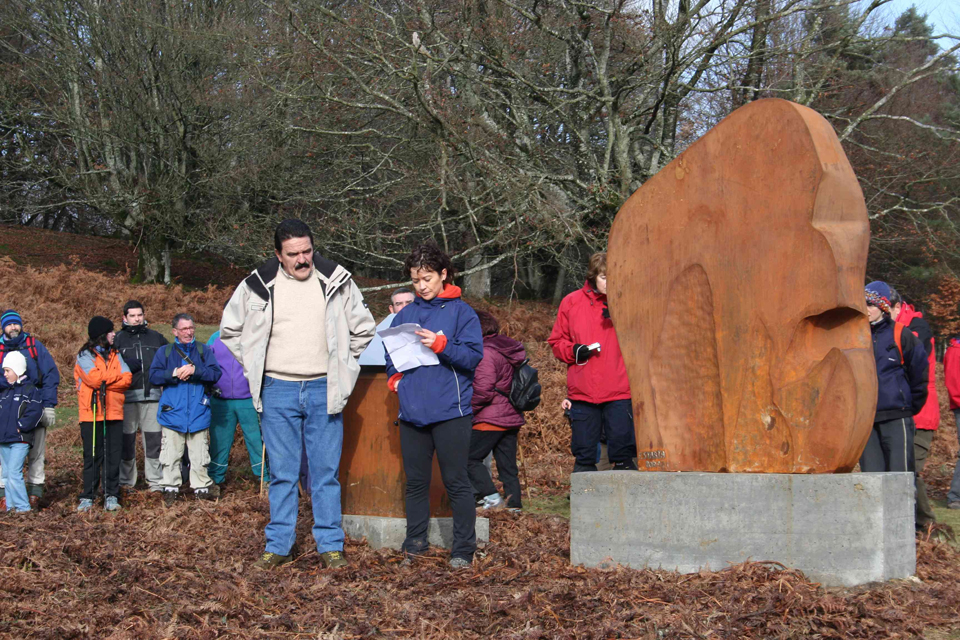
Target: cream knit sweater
298, 341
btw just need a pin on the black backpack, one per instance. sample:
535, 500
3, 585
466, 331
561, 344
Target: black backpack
524, 388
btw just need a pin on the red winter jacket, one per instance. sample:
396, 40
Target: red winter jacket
603, 378
500, 355
929, 416
951, 372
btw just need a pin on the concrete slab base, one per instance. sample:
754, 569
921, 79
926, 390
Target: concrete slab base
839, 529
383, 532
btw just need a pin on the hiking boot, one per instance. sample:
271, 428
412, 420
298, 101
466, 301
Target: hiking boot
953, 505
333, 559
207, 493
3, 504
85, 505
625, 465
272, 560
580, 468
457, 562
492, 501
413, 549
169, 497
34, 502
111, 504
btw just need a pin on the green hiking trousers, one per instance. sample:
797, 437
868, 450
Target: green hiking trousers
224, 416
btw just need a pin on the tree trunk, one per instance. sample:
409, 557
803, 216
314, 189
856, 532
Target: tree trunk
152, 259
477, 285
534, 276
560, 285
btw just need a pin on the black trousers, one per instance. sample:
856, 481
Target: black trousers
109, 440
890, 447
503, 444
614, 418
451, 440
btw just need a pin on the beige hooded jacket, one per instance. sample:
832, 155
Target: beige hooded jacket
248, 320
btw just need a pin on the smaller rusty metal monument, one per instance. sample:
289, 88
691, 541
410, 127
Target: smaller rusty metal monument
372, 481
736, 281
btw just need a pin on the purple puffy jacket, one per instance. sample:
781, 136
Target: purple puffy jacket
500, 355
232, 384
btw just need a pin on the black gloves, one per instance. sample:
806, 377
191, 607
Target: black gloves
606, 312
582, 353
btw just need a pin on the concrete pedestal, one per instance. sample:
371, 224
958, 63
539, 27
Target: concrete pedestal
839, 529
383, 532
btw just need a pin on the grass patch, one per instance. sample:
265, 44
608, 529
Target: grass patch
67, 414
548, 506
950, 517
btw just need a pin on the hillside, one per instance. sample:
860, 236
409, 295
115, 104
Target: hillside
29, 246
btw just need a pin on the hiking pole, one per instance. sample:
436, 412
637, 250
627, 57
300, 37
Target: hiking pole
263, 463
103, 462
93, 427
523, 468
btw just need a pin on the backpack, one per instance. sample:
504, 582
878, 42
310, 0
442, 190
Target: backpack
208, 387
30, 343
898, 338
524, 388
169, 350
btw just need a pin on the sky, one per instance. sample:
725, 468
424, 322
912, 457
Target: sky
944, 15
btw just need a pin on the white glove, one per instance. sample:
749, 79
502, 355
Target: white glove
49, 417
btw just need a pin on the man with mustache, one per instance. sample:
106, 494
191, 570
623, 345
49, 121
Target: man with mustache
297, 325
43, 374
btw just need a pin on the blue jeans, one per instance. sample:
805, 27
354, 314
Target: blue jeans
294, 420
12, 457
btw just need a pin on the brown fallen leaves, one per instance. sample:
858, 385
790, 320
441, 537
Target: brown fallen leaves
184, 572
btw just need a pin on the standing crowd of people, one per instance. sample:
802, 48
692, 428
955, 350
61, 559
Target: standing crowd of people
126, 381
287, 357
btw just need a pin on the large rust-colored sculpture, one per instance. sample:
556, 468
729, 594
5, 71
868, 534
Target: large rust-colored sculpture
736, 278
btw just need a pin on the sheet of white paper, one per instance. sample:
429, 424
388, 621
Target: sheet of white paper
405, 348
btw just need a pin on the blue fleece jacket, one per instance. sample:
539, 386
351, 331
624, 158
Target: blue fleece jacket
184, 406
41, 373
21, 407
441, 392
901, 388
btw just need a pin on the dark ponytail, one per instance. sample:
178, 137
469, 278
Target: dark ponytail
91, 345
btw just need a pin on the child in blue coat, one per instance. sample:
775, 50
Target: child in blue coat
21, 407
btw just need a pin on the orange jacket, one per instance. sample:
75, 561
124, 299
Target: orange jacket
90, 372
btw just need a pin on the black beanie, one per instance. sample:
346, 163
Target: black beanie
99, 326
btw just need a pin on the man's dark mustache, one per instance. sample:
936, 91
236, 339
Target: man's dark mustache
302, 265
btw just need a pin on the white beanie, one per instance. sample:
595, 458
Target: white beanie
14, 360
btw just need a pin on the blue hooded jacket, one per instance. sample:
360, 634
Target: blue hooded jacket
41, 373
184, 406
441, 392
901, 388
21, 408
